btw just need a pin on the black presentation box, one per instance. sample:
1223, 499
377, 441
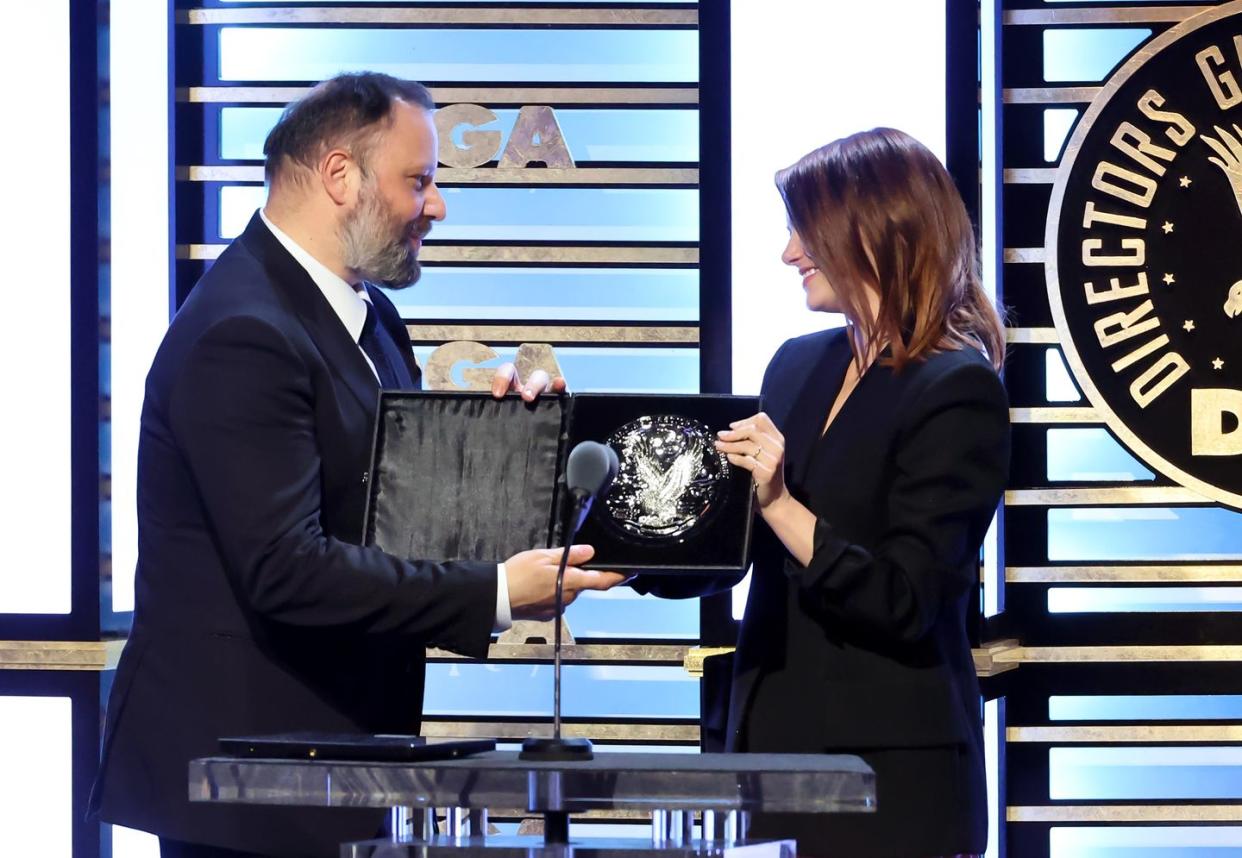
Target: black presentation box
465, 476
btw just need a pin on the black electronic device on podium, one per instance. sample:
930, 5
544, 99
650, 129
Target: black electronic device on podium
588, 475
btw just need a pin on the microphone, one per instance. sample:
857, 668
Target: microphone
588, 475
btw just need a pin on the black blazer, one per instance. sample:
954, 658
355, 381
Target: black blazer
903, 485
257, 610
866, 647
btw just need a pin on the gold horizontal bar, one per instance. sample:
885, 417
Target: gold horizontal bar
1024, 254
1030, 176
687, 734
199, 251
1055, 414
490, 254
1104, 495
984, 658
567, 255
988, 658
491, 95
1032, 335
695, 657
1221, 574
446, 17
449, 176
1050, 95
1110, 654
664, 654
1110, 733
60, 655
1143, 15
1127, 813
554, 334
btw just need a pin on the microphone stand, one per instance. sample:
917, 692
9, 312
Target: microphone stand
558, 749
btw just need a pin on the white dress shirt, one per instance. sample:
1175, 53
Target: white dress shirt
350, 305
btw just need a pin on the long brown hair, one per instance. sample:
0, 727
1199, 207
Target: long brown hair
877, 209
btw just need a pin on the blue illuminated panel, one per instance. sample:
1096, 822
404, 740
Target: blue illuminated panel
36, 779
1108, 534
588, 691
1058, 122
1083, 455
128, 843
530, 214
1145, 773
455, 2
1146, 842
610, 370
1088, 54
622, 613
1146, 707
603, 294
1068, 600
1058, 386
591, 135
260, 54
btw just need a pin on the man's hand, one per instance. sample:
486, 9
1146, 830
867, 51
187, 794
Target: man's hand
532, 580
506, 381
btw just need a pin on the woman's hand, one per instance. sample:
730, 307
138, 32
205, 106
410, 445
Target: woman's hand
758, 446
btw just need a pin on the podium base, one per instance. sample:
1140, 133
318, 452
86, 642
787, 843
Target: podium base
532, 846
537, 749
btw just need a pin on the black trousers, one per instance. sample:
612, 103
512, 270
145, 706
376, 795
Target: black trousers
181, 849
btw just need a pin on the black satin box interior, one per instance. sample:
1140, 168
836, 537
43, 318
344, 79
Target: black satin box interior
464, 476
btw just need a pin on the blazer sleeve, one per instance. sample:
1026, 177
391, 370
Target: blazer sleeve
950, 466
242, 413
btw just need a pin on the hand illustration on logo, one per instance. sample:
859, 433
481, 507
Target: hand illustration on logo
1233, 306
1229, 148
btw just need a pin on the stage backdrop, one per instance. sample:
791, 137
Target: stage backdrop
1122, 538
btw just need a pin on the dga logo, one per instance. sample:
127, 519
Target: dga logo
1144, 253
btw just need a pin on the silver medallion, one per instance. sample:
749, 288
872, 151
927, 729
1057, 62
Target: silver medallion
671, 476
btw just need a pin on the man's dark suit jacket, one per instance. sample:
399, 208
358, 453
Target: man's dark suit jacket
257, 610
865, 649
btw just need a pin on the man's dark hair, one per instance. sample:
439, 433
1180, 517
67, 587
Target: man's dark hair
342, 111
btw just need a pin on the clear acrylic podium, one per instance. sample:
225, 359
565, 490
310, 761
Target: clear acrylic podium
723, 788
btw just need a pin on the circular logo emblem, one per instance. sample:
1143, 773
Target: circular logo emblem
671, 478
1144, 254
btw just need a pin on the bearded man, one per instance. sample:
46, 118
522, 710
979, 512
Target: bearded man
257, 608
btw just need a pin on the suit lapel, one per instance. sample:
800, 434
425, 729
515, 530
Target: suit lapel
817, 390
306, 300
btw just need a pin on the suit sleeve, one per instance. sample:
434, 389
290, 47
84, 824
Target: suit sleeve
950, 468
242, 412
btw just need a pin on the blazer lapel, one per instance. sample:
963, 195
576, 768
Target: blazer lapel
817, 390
307, 301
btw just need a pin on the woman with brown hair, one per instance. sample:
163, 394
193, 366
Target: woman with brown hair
878, 464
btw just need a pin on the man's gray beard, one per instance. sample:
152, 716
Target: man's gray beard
372, 251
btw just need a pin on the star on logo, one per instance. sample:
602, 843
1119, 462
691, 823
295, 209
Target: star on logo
1167, 227
1218, 364
1184, 181
1169, 279
1189, 325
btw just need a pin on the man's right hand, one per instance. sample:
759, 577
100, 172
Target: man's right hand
532, 580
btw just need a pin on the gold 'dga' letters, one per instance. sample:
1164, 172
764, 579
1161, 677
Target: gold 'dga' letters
438, 374
536, 138
1144, 253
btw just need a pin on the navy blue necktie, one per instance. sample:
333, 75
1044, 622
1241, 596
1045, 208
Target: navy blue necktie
373, 347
